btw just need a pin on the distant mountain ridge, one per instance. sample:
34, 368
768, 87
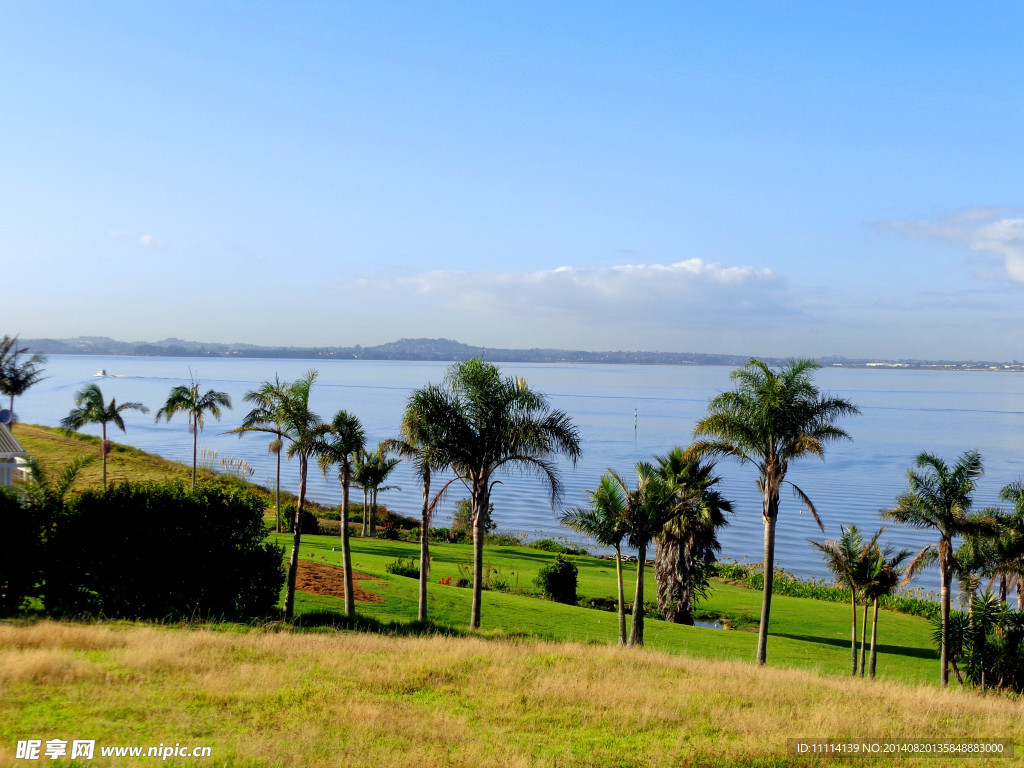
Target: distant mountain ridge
448, 350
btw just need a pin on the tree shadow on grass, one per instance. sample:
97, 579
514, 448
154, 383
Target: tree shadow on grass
895, 650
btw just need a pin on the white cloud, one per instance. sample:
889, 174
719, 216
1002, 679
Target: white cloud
998, 231
148, 241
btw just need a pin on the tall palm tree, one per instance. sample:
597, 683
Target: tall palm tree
939, 498
16, 375
304, 431
845, 559
344, 438
484, 424
186, 399
91, 408
426, 459
604, 520
685, 548
266, 400
884, 573
771, 419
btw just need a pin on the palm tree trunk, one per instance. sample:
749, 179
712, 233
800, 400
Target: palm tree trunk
293, 560
770, 514
863, 637
366, 513
479, 507
278, 491
1002, 589
853, 633
421, 612
346, 548
373, 513
636, 632
103, 455
874, 648
946, 575
195, 449
622, 602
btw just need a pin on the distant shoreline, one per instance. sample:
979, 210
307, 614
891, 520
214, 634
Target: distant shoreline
445, 350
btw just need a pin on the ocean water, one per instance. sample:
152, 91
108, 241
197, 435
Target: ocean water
625, 413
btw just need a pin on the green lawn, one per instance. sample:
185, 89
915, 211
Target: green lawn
805, 633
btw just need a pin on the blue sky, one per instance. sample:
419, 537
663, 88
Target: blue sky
786, 178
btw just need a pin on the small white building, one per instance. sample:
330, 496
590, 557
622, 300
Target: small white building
12, 458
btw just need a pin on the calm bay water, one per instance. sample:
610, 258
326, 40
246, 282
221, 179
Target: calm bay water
625, 413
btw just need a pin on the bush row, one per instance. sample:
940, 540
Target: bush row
140, 550
784, 583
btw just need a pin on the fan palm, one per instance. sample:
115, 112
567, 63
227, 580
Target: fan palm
685, 548
939, 498
266, 400
16, 375
604, 520
771, 419
186, 399
344, 438
91, 408
481, 424
292, 419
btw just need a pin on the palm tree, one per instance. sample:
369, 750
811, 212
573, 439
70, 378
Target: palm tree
90, 408
483, 424
685, 548
604, 520
884, 573
939, 498
304, 430
1009, 548
343, 440
373, 471
362, 476
649, 507
266, 400
772, 418
17, 376
844, 558
186, 399
426, 460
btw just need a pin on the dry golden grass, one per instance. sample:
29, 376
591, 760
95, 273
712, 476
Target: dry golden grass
291, 699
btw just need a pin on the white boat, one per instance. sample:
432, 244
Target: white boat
101, 372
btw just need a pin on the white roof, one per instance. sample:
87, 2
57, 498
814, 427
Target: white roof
9, 445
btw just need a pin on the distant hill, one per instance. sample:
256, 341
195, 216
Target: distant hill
448, 350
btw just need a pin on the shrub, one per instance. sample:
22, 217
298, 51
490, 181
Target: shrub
21, 550
502, 540
310, 522
388, 531
558, 580
402, 568
599, 603
550, 545
163, 550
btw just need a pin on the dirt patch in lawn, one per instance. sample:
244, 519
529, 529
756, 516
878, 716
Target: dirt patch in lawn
329, 580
